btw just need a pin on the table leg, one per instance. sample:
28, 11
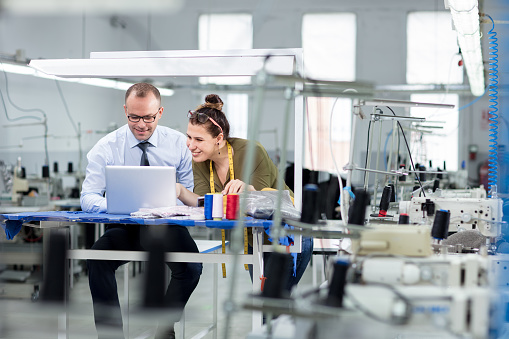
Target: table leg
126, 300
257, 269
214, 301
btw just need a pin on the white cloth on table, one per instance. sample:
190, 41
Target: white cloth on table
186, 212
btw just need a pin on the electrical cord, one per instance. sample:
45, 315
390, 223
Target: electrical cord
493, 88
66, 107
76, 129
44, 120
19, 108
385, 149
475, 100
367, 151
396, 181
18, 118
409, 154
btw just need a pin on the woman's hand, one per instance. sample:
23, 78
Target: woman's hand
237, 186
186, 196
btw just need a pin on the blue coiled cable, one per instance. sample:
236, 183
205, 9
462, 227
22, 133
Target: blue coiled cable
493, 88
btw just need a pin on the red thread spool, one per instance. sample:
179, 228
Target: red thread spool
232, 206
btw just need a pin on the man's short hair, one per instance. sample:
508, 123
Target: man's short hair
142, 89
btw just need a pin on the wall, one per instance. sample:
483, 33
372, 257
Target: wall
381, 59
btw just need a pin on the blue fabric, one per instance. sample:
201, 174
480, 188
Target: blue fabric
79, 216
12, 227
287, 240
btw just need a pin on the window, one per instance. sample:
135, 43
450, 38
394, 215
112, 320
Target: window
329, 43
223, 32
432, 49
432, 58
442, 144
318, 145
236, 112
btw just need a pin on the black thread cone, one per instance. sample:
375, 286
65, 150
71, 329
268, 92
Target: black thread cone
55, 268
277, 275
386, 198
404, 219
155, 277
337, 285
358, 210
310, 210
440, 229
436, 185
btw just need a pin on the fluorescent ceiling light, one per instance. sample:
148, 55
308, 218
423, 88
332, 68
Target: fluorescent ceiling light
465, 15
46, 7
98, 82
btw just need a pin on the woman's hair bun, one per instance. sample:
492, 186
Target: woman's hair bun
213, 101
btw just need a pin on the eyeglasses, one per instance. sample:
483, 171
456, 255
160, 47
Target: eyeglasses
146, 119
202, 118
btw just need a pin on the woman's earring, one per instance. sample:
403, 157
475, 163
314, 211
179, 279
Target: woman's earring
218, 151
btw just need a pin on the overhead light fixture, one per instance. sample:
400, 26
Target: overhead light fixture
465, 15
49, 7
99, 82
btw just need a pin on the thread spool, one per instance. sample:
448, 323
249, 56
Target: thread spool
440, 229
55, 269
69, 167
436, 184
55, 167
232, 206
404, 219
23, 174
155, 283
393, 193
357, 214
277, 275
384, 202
310, 210
337, 284
217, 206
207, 204
45, 171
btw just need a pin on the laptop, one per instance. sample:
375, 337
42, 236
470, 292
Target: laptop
129, 188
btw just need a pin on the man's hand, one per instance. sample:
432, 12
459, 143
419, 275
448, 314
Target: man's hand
237, 186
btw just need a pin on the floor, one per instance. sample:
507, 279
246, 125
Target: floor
21, 318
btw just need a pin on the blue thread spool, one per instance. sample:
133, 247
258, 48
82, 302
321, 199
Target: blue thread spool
208, 206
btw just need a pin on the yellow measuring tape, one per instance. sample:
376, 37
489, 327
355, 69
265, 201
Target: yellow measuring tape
213, 190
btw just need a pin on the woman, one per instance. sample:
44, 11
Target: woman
211, 146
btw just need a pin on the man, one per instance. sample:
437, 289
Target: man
166, 147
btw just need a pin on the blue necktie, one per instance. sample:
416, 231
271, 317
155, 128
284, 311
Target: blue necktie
144, 158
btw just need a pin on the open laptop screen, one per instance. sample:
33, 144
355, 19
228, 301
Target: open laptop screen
129, 188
